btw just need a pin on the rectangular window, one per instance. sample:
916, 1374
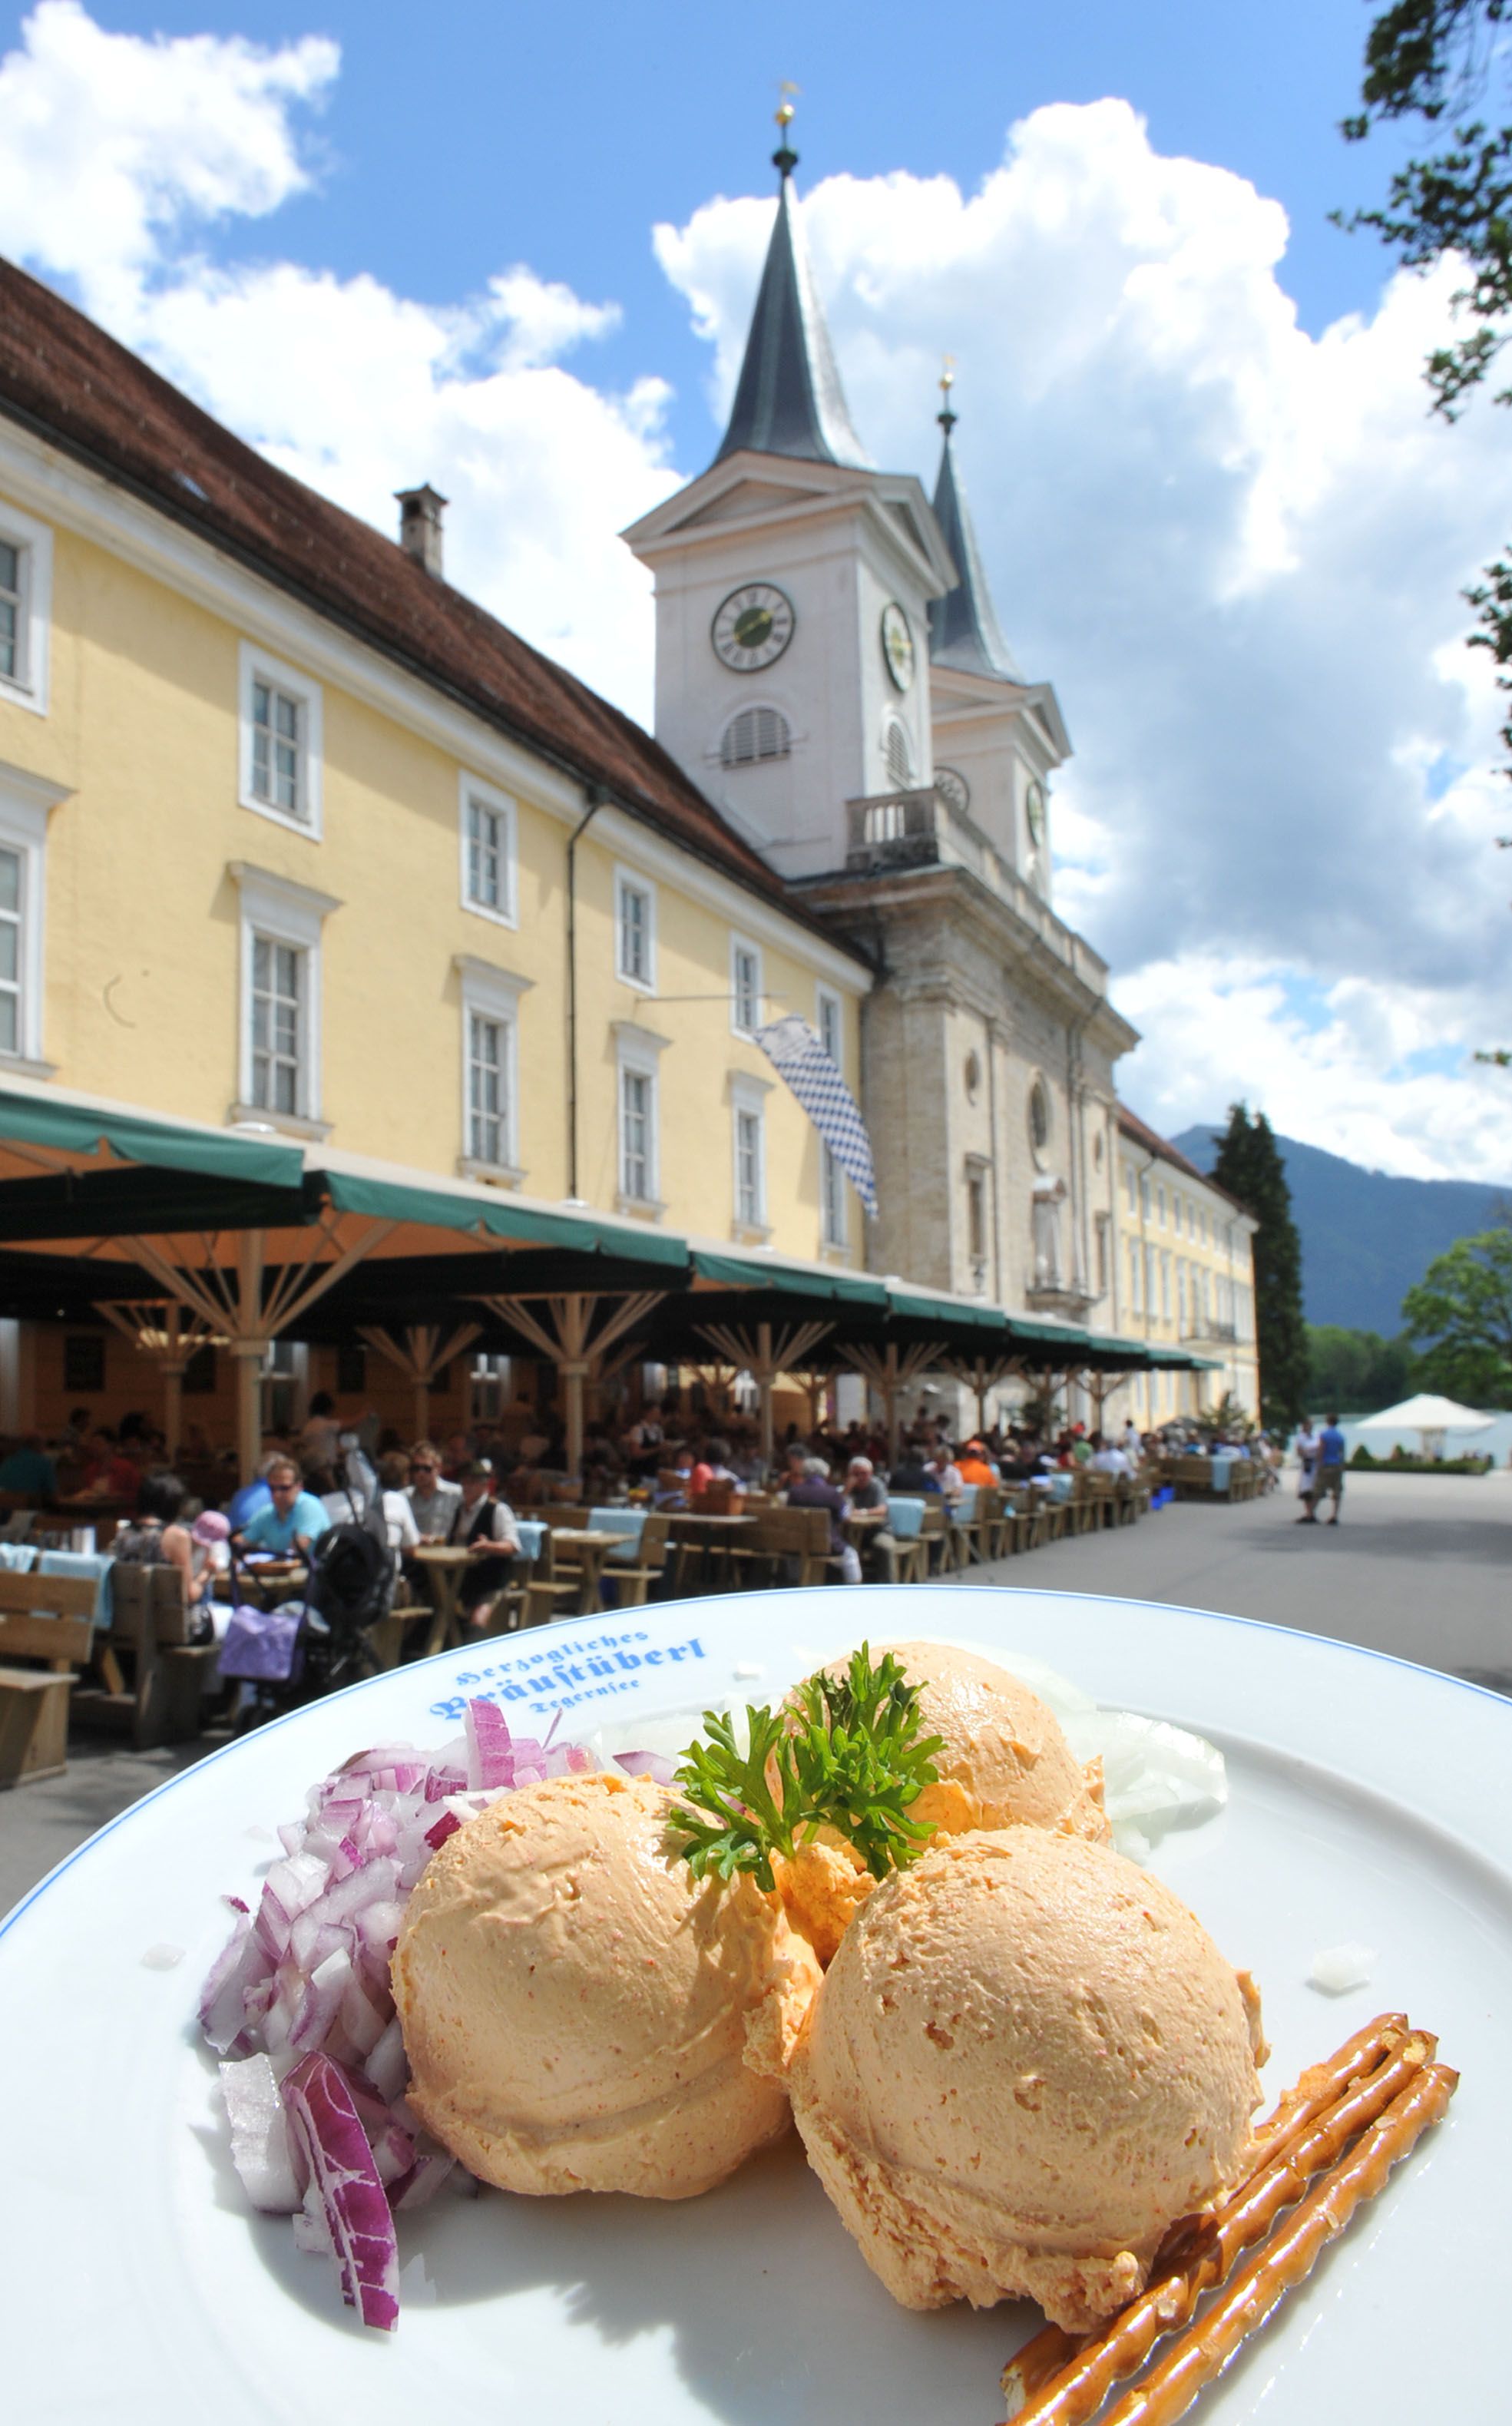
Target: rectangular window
636, 1135
488, 1088
1144, 1194
12, 612
278, 748
1160, 1206
750, 1187
199, 1374
485, 855
488, 1387
487, 830
12, 949
83, 1363
279, 996
635, 931
976, 1223
1181, 1296
281, 742
1136, 1293
745, 988
1129, 1185
1103, 1254
1165, 1289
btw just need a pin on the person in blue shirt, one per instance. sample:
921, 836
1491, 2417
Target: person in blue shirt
29, 1469
1330, 1469
292, 1522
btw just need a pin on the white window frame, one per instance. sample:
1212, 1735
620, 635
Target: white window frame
748, 1101
638, 1052
26, 801
499, 804
742, 945
487, 991
282, 911
33, 541
258, 665
626, 881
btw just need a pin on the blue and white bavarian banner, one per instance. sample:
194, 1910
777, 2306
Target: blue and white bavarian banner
796, 1053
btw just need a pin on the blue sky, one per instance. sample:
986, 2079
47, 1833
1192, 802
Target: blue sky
459, 138
514, 251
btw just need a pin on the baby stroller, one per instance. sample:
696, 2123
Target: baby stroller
283, 1657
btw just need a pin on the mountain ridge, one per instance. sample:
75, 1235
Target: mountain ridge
1367, 1235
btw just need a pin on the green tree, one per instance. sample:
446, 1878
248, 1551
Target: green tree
1462, 1307
1437, 60
1356, 1371
1250, 1167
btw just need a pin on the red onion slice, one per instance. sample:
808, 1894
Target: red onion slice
325, 2127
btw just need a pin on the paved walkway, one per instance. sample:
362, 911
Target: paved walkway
1420, 1566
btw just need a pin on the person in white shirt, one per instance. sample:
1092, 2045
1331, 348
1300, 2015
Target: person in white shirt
1132, 1446
1106, 1458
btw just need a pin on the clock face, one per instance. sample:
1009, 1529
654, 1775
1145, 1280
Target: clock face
897, 644
954, 787
753, 628
1033, 809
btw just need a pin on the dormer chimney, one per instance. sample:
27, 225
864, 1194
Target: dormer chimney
420, 512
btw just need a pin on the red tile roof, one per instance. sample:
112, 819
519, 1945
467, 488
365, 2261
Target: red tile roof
1142, 1134
66, 379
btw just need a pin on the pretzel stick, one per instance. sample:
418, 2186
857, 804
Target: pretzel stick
1170, 2389
1050, 2350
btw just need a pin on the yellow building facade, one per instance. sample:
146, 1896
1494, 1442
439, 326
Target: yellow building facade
261, 865
1184, 1275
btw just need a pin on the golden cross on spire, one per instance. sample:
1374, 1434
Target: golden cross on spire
784, 158
946, 417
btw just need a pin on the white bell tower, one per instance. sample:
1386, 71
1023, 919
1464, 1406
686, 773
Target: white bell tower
794, 584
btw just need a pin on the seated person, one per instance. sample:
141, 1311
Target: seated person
913, 1478
674, 1481
398, 1517
292, 1523
713, 1466
973, 1466
812, 1488
865, 1504
108, 1475
29, 1469
949, 1480
1106, 1457
433, 1501
485, 1527
155, 1537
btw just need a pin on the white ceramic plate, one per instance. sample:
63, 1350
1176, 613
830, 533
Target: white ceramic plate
1367, 1802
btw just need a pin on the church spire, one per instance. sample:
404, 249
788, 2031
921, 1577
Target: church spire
789, 400
963, 626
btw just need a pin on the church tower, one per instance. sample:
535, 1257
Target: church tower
794, 584
831, 671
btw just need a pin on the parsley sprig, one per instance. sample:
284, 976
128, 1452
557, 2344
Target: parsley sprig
845, 1753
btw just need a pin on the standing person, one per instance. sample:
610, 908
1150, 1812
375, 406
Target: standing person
1331, 1469
320, 1432
1307, 1458
433, 1503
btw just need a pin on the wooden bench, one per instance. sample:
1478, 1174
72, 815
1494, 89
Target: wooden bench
34, 1700
160, 1700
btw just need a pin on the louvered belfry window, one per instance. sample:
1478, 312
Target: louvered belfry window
754, 735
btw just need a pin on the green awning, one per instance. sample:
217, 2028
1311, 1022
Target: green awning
497, 1216
949, 1313
72, 1128
718, 1270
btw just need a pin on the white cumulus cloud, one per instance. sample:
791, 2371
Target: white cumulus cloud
121, 151
1238, 552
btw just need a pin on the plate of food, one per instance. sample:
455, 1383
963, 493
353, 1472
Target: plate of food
986, 1918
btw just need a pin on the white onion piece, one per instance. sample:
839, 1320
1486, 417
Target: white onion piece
1338, 1968
259, 2135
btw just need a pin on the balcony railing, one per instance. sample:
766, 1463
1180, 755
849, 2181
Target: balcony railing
887, 830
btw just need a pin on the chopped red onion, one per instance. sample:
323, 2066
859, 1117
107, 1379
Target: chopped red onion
646, 1764
300, 1997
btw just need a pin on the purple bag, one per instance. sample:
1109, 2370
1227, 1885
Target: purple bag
263, 1643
